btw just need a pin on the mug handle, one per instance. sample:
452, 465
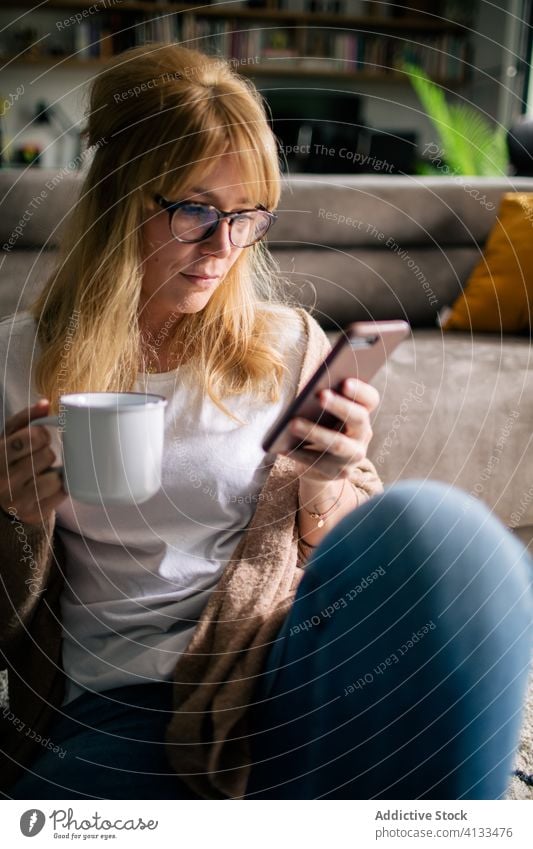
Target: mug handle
51, 421
46, 420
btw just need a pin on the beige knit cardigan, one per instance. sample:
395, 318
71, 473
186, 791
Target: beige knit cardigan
215, 678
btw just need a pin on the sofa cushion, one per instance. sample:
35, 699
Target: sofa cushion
499, 291
345, 210
459, 409
356, 284
34, 202
23, 275
399, 246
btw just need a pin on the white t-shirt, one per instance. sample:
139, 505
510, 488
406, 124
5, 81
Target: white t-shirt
138, 577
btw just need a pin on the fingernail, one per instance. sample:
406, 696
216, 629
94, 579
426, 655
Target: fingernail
297, 425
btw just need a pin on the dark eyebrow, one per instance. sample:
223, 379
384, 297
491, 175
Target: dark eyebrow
199, 191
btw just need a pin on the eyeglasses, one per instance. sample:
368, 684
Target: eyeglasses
194, 222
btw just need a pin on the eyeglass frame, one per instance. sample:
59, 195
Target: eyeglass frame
172, 206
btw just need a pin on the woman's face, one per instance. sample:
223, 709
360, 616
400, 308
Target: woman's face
181, 278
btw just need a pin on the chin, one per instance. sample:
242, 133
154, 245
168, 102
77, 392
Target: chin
191, 305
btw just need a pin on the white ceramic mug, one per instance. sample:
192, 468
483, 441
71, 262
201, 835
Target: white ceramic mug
112, 445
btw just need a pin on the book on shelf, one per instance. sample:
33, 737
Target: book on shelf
317, 63
82, 40
106, 43
343, 8
443, 55
94, 39
296, 6
278, 53
357, 8
381, 9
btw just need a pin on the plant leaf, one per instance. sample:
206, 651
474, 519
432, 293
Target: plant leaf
471, 145
480, 141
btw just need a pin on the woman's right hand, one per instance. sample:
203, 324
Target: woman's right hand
27, 484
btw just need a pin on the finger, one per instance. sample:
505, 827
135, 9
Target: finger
24, 417
361, 392
332, 441
25, 442
53, 501
46, 489
354, 416
24, 470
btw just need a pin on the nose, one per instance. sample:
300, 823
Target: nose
218, 242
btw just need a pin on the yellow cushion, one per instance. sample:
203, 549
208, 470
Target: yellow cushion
499, 293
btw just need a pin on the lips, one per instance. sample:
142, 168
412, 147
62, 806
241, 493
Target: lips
205, 278
200, 276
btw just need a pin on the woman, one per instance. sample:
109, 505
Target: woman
177, 648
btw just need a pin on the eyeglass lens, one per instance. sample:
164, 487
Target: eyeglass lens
192, 222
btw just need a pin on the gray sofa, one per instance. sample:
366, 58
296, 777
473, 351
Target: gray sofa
455, 407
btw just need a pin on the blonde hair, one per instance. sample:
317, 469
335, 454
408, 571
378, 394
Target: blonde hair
158, 116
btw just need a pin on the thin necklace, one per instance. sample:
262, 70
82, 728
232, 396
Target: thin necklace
172, 358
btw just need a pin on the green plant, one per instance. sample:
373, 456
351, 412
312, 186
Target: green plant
470, 144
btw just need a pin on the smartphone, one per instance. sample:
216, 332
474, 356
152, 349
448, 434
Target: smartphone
360, 351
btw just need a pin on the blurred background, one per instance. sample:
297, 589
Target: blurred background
353, 86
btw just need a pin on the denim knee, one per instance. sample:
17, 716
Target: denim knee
416, 507
420, 531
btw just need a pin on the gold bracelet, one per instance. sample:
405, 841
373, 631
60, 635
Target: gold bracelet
321, 517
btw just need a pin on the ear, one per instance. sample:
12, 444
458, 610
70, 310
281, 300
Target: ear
149, 206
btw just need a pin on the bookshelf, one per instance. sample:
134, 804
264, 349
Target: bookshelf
290, 38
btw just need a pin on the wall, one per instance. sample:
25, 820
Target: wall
499, 43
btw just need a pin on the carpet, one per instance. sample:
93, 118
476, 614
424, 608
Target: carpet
519, 787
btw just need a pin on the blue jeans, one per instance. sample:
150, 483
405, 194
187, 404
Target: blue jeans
109, 745
399, 673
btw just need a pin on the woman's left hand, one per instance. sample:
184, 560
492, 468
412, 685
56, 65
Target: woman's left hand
334, 454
